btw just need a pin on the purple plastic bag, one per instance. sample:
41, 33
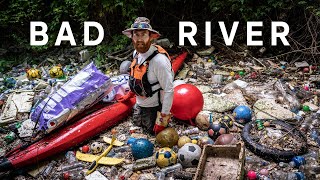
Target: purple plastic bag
121, 87
78, 94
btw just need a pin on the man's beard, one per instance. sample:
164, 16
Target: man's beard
142, 47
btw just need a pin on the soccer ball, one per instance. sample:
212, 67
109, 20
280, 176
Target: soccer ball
33, 74
227, 121
166, 157
216, 129
96, 147
56, 72
189, 155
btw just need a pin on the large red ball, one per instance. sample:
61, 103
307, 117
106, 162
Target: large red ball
187, 102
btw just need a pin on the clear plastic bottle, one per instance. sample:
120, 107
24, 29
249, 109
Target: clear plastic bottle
111, 153
71, 157
306, 124
256, 161
290, 98
46, 172
144, 163
315, 136
191, 131
170, 169
283, 164
311, 156
182, 175
126, 174
122, 149
263, 177
281, 175
70, 167
160, 175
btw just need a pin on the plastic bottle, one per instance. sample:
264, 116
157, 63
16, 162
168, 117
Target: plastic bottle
46, 172
263, 177
255, 161
297, 161
306, 124
191, 131
309, 122
290, 98
311, 156
259, 124
126, 174
10, 137
310, 170
182, 175
144, 163
287, 175
113, 172
315, 136
44, 73
122, 149
78, 169
196, 137
170, 169
69, 167
216, 79
283, 164
71, 157
160, 175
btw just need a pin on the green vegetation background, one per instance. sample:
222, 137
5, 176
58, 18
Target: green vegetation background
116, 15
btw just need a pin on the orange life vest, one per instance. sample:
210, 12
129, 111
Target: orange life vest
138, 81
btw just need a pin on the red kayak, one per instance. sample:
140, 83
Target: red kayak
76, 133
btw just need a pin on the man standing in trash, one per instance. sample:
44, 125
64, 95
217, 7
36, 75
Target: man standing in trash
151, 76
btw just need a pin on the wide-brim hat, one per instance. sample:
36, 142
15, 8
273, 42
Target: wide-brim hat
141, 23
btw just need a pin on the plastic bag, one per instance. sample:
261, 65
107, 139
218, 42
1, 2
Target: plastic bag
121, 87
78, 94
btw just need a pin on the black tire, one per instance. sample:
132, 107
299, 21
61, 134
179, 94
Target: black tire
269, 152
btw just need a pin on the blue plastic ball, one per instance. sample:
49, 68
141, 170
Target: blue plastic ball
242, 114
131, 140
142, 148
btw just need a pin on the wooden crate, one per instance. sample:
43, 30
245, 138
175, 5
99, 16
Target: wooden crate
221, 162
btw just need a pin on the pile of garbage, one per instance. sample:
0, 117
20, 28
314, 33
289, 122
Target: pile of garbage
253, 119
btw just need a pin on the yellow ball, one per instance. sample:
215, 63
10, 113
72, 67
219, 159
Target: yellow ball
33, 74
183, 140
193, 141
232, 73
56, 72
166, 157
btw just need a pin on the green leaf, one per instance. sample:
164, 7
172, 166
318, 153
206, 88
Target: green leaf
302, 2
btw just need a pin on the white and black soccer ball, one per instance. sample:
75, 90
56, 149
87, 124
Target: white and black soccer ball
96, 147
189, 155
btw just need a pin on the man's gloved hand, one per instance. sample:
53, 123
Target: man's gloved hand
123, 98
162, 122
